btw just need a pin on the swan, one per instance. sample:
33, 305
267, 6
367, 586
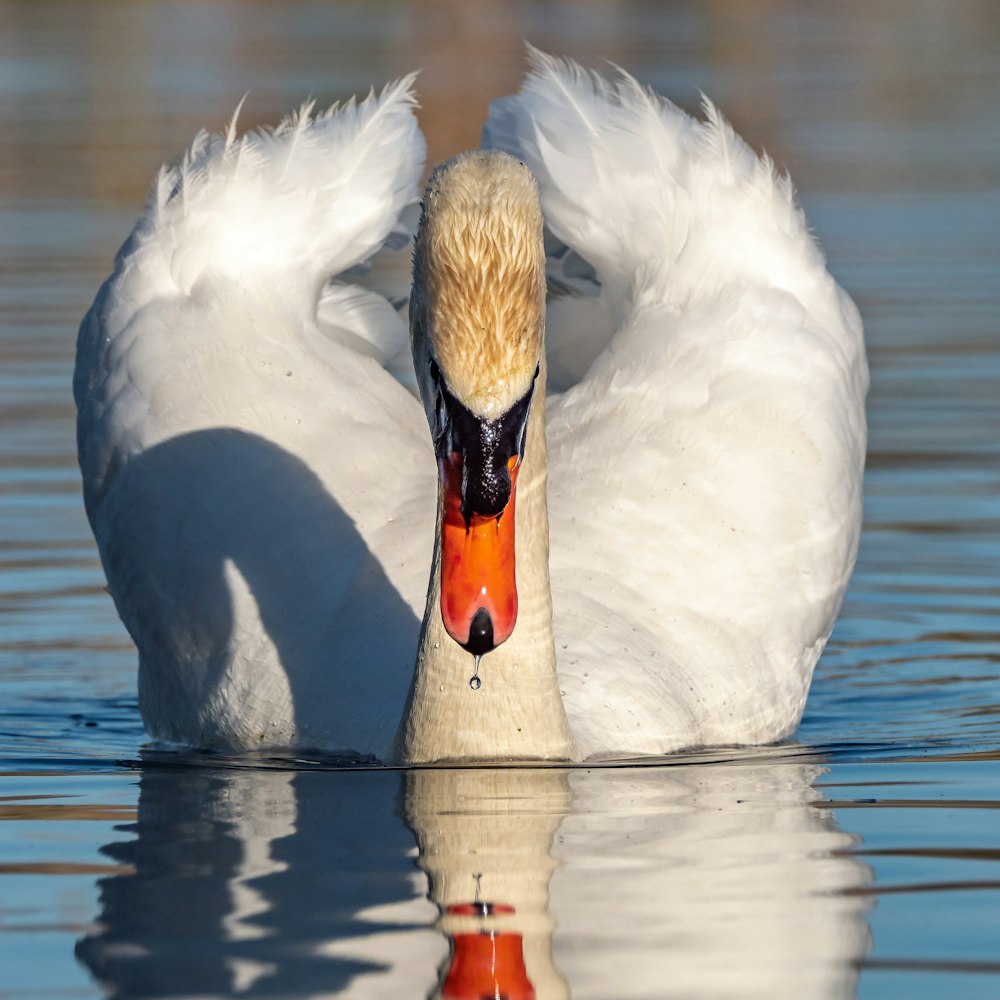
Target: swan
640, 502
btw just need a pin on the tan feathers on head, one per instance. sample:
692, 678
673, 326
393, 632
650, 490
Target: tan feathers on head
479, 278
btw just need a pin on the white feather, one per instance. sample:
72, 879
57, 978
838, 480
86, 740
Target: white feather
217, 387
705, 470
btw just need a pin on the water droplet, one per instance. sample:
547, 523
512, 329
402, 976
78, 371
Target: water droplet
474, 682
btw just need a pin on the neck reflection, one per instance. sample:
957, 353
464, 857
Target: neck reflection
485, 837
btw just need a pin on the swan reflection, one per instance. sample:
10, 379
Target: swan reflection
702, 880
266, 883
721, 880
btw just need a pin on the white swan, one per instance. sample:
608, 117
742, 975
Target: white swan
261, 482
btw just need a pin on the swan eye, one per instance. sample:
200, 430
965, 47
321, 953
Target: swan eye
522, 428
522, 432
522, 437
440, 409
440, 417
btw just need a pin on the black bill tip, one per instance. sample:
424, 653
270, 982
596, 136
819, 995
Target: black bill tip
480, 641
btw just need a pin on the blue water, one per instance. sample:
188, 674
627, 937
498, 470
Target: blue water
855, 861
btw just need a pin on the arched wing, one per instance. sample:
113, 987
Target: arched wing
706, 452
260, 483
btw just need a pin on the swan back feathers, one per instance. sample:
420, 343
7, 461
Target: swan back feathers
479, 278
314, 196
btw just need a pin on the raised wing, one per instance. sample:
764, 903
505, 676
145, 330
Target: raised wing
706, 461
251, 465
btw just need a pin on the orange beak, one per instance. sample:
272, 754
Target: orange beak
486, 963
478, 461
478, 580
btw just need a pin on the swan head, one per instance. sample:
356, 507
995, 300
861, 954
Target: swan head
477, 309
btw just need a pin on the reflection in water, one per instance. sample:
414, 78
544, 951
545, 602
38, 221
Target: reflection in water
707, 880
485, 838
725, 880
266, 883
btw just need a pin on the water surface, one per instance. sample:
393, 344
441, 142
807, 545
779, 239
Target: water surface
855, 861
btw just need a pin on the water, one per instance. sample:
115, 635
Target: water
857, 861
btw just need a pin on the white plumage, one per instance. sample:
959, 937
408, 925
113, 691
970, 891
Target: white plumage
261, 481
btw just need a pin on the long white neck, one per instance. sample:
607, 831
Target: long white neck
517, 713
